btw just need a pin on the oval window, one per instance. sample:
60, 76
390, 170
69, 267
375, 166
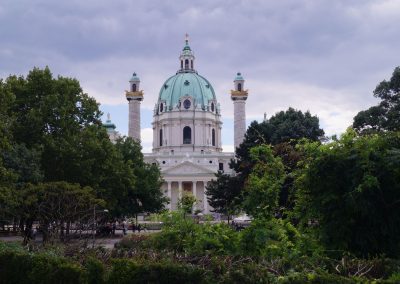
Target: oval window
186, 104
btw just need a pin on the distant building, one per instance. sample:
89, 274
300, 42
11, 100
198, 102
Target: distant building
187, 129
110, 127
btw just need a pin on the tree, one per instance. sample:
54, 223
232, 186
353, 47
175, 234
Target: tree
283, 127
386, 115
283, 130
55, 205
264, 183
351, 188
223, 194
58, 136
186, 203
145, 195
7, 177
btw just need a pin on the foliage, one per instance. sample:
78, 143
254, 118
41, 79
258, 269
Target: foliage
386, 115
145, 196
53, 205
282, 131
264, 183
223, 194
283, 127
350, 188
186, 202
50, 131
125, 271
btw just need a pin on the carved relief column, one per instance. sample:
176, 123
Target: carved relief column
169, 195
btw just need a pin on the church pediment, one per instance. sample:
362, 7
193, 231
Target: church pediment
187, 168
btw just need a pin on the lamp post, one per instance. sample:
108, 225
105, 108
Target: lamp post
94, 229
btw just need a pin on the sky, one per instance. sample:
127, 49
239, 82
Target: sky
323, 56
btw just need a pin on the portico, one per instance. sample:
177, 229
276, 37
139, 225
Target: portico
174, 189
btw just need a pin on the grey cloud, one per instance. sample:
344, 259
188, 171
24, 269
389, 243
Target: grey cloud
296, 50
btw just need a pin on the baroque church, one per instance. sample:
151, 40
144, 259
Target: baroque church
186, 130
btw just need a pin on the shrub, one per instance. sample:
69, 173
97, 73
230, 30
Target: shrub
95, 271
22, 267
127, 271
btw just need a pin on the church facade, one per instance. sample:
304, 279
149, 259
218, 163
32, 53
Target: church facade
187, 125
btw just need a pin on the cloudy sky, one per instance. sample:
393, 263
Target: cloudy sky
322, 56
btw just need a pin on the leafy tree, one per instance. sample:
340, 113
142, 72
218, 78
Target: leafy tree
283, 127
350, 188
386, 115
223, 194
186, 203
54, 204
264, 183
145, 196
58, 136
7, 177
282, 131
24, 163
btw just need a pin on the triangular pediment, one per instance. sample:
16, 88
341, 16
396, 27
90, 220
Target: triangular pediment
187, 168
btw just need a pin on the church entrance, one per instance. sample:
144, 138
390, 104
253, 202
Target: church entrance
187, 187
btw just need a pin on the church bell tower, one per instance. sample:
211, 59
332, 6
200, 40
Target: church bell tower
134, 97
239, 97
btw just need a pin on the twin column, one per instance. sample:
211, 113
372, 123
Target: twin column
180, 190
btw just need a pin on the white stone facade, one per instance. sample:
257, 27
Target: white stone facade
187, 131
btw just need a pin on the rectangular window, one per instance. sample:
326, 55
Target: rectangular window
221, 167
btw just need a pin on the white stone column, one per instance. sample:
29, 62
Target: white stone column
205, 201
194, 192
134, 119
239, 112
169, 195
180, 190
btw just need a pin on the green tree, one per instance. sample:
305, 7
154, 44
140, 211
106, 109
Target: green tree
386, 115
146, 195
351, 188
264, 183
55, 204
7, 177
223, 194
58, 136
186, 203
282, 131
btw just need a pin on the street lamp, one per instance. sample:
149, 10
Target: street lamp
94, 229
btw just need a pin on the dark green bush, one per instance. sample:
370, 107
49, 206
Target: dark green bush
95, 271
312, 278
24, 267
127, 271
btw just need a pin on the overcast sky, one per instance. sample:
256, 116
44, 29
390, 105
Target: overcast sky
322, 56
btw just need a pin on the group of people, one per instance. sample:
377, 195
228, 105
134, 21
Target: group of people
125, 226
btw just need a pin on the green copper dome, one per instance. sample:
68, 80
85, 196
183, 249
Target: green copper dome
239, 77
134, 78
186, 84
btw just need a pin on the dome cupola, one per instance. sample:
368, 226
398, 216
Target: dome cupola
187, 57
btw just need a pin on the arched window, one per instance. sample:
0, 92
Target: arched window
213, 137
187, 135
191, 64
161, 138
186, 63
240, 87
133, 87
212, 107
161, 107
181, 64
